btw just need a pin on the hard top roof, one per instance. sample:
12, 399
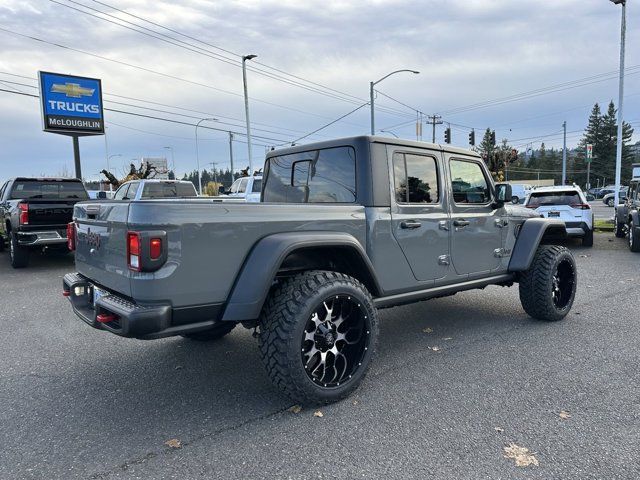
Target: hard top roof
340, 142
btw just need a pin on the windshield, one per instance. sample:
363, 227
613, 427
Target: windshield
49, 189
168, 190
541, 199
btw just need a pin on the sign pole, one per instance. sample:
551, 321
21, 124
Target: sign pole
76, 156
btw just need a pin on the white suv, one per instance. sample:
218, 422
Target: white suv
567, 203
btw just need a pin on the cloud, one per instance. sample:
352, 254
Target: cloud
467, 51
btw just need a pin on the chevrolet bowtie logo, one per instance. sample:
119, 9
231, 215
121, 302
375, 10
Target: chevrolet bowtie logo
72, 90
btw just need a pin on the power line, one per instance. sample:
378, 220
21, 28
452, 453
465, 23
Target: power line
156, 72
124, 112
331, 123
199, 50
632, 70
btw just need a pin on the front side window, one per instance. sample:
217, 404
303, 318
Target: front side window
415, 178
317, 176
234, 186
469, 185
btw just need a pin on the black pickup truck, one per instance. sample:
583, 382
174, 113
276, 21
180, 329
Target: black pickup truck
34, 214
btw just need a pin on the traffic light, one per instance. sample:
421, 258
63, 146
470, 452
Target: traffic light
472, 138
447, 135
493, 137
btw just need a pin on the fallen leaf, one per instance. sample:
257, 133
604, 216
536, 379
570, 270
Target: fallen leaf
427, 330
173, 443
435, 348
318, 413
448, 338
355, 402
498, 429
521, 455
564, 414
295, 409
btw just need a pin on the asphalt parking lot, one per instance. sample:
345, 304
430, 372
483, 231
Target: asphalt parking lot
78, 403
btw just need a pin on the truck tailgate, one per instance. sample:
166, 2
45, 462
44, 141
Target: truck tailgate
101, 244
50, 213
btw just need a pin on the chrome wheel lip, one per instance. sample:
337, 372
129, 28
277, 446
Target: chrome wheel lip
333, 364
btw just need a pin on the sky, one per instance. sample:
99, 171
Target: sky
315, 61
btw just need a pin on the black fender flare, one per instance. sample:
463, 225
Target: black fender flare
261, 266
529, 238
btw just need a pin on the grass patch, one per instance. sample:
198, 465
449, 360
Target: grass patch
603, 225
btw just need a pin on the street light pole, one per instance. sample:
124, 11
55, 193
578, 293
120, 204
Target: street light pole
564, 153
198, 152
371, 95
623, 28
173, 160
231, 155
246, 107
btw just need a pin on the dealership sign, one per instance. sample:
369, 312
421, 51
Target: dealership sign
71, 104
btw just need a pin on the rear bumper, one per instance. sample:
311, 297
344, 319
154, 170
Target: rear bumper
121, 316
577, 229
46, 237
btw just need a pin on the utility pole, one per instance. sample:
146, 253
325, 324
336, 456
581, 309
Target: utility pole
434, 120
564, 153
246, 107
623, 28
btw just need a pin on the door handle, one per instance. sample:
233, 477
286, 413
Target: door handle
460, 223
410, 224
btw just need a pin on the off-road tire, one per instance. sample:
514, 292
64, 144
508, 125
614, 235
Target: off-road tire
618, 228
18, 255
587, 240
537, 283
215, 333
283, 324
634, 238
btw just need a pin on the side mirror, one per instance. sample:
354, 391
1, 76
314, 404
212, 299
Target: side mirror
503, 194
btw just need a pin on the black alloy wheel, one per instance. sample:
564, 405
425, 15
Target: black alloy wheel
336, 339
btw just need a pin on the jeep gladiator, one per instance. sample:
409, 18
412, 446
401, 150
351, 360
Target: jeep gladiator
345, 227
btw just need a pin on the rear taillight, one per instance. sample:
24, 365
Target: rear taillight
71, 236
155, 248
581, 206
24, 213
133, 251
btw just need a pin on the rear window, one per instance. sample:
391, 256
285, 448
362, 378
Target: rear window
168, 190
317, 176
54, 190
540, 199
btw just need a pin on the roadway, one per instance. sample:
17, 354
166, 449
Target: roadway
78, 403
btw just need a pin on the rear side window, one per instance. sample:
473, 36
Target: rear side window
317, 176
168, 190
121, 192
540, 199
468, 183
257, 186
415, 178
242, 187
49, 189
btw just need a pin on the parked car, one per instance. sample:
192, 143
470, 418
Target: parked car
34, 213
609, 198
627, 218
567, 203
247, 188
520, 192
605, 190
151, 188
345, 227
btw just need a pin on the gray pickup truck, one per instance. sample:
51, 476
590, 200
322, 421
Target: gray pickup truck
345, 227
